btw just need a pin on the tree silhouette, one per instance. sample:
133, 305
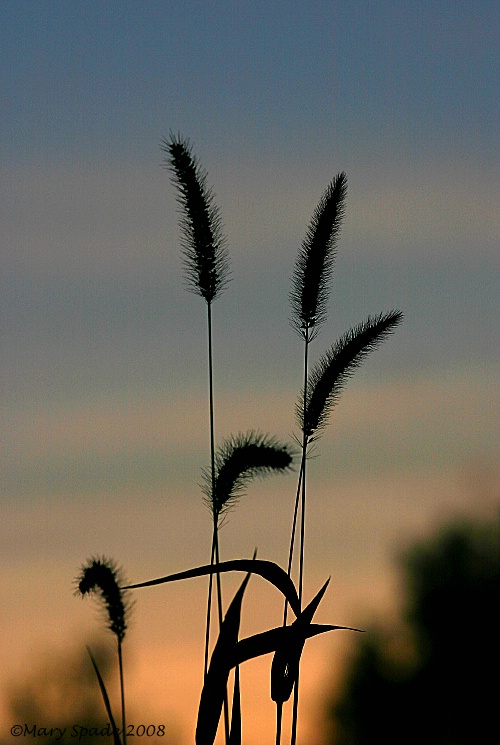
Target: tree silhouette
442, 690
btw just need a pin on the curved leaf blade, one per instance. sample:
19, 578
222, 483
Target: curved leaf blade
286, 661
268, 570
215, 684
105, 698
266, 642
235, 733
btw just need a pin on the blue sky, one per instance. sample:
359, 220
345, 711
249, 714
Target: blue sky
103, 350
268, 74
277, 97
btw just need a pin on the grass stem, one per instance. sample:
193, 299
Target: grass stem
122, 692
215, 556
307, 340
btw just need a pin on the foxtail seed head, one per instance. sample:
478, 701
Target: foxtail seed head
104, 577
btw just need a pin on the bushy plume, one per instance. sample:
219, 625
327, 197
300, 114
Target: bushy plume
237, 461
336, 366
314, 264
204, 245
104, 577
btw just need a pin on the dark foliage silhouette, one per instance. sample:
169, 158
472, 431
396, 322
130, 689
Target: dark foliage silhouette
443, 690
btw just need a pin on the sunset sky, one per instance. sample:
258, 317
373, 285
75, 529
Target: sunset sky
103, 364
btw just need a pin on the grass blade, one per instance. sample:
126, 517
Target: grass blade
285, 667
105, 697
235, 734
215, 685
266, 642
268, 570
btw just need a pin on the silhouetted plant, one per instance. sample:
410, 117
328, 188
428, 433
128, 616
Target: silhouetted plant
321, 388
103, 577
437, 686
207, 265
242, 457
238, 460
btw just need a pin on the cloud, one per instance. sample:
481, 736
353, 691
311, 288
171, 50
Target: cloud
160, 440
110, 217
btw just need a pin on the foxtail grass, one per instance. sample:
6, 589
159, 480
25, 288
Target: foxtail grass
203, 242
101, 576
206, 266
238, 460
314, 264
309, 302
241, 458
336, 367
321, 388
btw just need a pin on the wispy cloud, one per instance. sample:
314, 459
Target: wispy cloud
413, 424
119, 218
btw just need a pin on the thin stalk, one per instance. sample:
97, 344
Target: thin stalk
300, 498
215, 547
302, 526
209, 608
302, 530
301, 486
295, 712
215, 557
300, 494
279, 715
211, 398
212, 474
122, 692
219, 606
279, 704
294, 530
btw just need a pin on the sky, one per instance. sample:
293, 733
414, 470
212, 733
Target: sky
103, 365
